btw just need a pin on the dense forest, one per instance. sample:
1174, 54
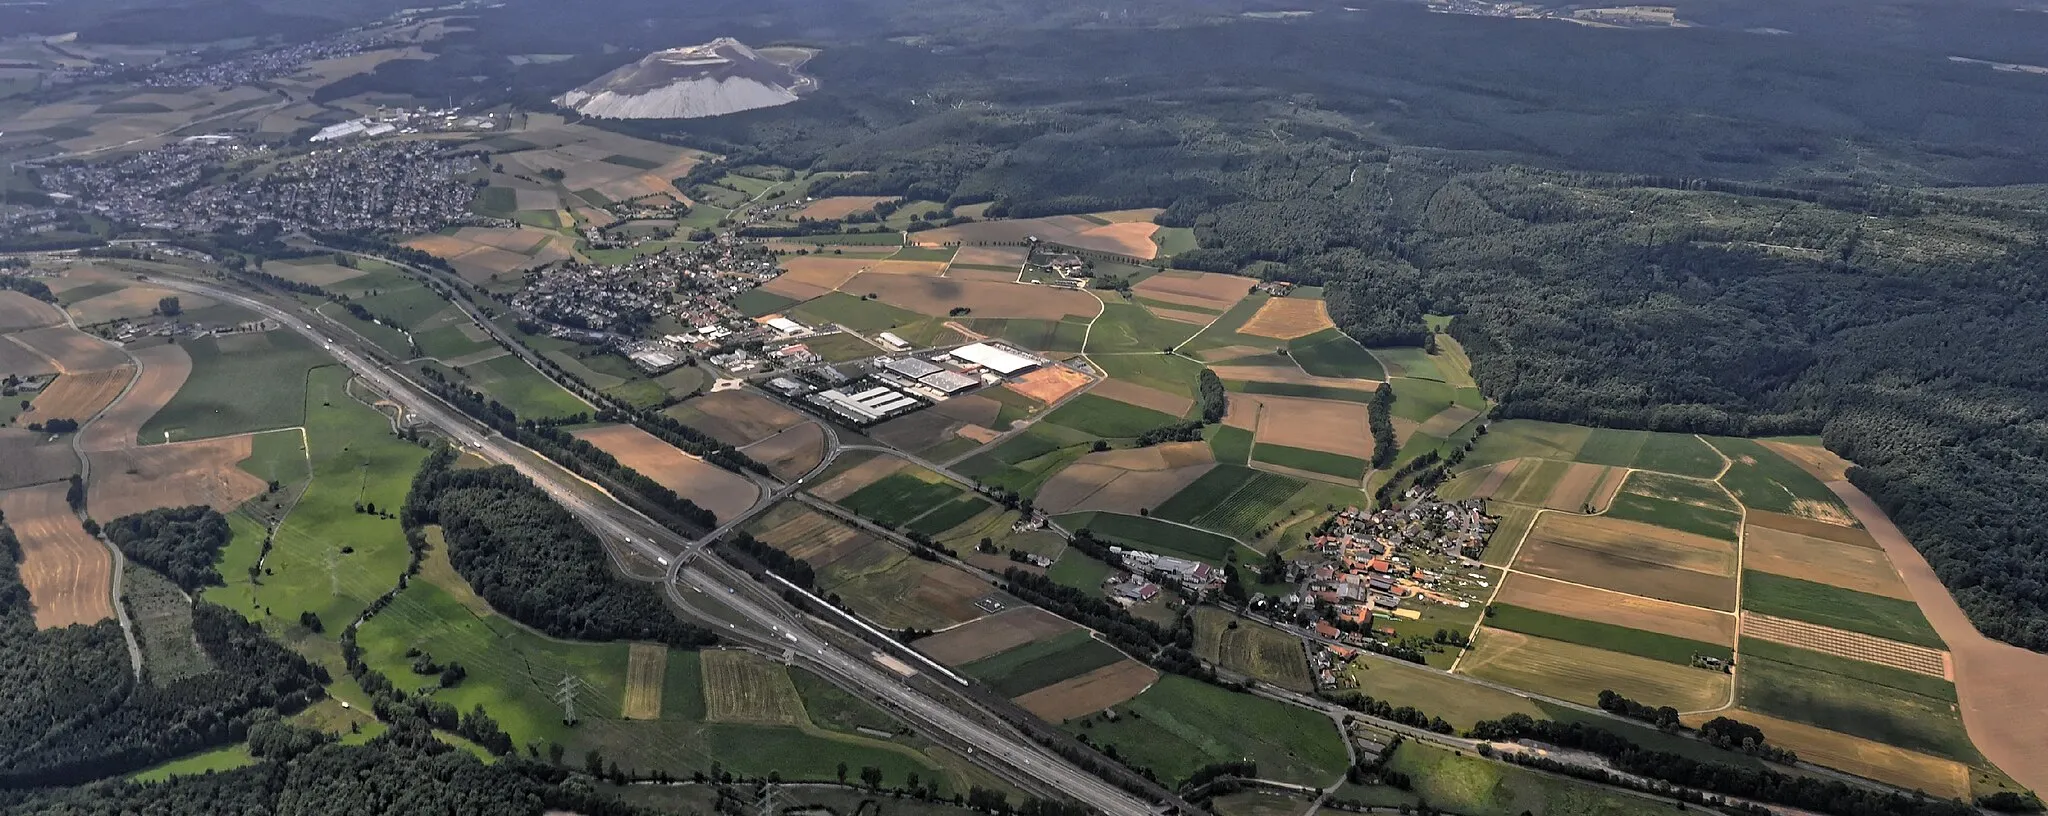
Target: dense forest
535, 562
183, 543
1696, 230
72, 709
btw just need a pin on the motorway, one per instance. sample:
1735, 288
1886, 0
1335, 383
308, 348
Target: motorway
1020, 759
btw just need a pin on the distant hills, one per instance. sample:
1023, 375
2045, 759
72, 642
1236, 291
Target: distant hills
719, 77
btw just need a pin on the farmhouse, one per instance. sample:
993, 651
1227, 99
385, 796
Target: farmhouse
999, 359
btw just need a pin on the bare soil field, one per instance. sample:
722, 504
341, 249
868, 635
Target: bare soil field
1814, 528
69, 575
19, 311
646, 668
1143, 397
1874, 760
22, 361
791, 453
737, 418
980, 275
975, 409
1145, 214
522, 240
137, 480
130, 303
29, 458
1156, 457
1289, 374
1845, 644
851, 480
165, 368
1312, 424
1243, 412
723, 492
441, 246
937, 296
1575, 490
1578, 673
1604, 606
1819, 461
1999, 684
78, 396
73, 350
1001, 632
1140, 490
916, 432
834, 207
1447, 422
1012, 257
1208, 290
1133, 239
1286, 318
1864, 569
1103, 688
1630, 557
1047, 385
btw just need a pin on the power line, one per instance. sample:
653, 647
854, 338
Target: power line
565, 694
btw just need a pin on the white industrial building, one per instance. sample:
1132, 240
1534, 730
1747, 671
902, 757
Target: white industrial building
784, 325
892, 341
996, 358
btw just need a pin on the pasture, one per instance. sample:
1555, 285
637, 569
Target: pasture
1607, 636
1253, 649
68, 574
1026, 462
1578, 673
512, 382
1678, 454
1040, 663
1332, 353
1461, 784
904, 495
1763, 480
1231, 445
1180, 725
1171, 373
1130, 328
1108, 418
724, 493
1152, 535
1231, 499
1854, 706
1303, 460
1634, 558
239, 383
1874, 615
875, 579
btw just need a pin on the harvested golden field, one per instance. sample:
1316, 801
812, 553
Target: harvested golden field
30, 458
1447, 421
1132, 239
441, 246
737, 418
937, 296
165, 368
1179, 315
646, 668
523, 240
1289, 374
78, 396
131, 303
1287, 318
137, 480
1577, 673
1574, 491
1048, 385
69, 575
808, 276
73, 350
1813, 528
1208, 290
849, 481
1012, 257
1230, 353
1630, 557
980, 275
1864, 569
19, 311
741, 687
1850, 645
791, 453
835, 207
1103, 688
927, 268
1819, 461
815, 537
1144, 214
724, 493
1001, 632
1862, 757
1144, 397
1311, 424
1604, 606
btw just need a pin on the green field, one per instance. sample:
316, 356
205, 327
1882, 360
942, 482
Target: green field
1303, 390
1231, 445
1230, 499
1223, 332
1914, 682
950, 515
1332, 353
1037, 335
854, 313
497, 202
1152, 535
529, 393
1681, 454
1472, 786
1674, 515
1603, 635
900, 497
758, 302
1763, 480
911, 253
1418, 400
842, 347
1314, 461
239, 383
214, 761
1080, 571
1127, 328
1171, 373
1033, 666
1258, 651
450, 341
1024, 462
1107, 418
1681, 489
1412, 361
1784, 597
1180, 725
1852, 706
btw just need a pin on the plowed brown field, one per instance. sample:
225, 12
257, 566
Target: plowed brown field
851, 480
30, 458
1864, 569
834, 207
69, 575
1207, 290
1048, 385
724, 493
1604, 606
736, 418
791, 453
137, 480
72, 349
1103, 688
969, 642
1630, 557
1326, 425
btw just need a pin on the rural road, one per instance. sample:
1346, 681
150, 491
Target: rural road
1021, 758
